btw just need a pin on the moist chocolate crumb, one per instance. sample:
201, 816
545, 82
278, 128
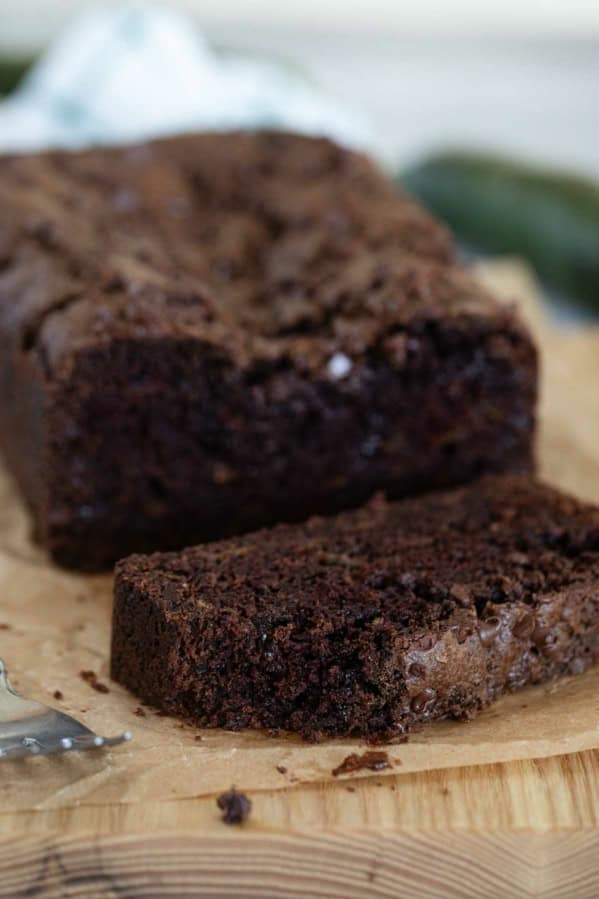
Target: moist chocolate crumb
276, 614
140, 712
373, 760
281, 769
5, 627
351, 789
58, 694
91, 678
198, 738
296, 310
235, 806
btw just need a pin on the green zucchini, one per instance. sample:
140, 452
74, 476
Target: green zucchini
11, 73
502, 206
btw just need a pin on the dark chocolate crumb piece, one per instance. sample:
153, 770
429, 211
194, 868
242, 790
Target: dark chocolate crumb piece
373, 760
5, 627
140, 712
198, 738
351, 789
281, 769
235, 806
91, 678
58, 694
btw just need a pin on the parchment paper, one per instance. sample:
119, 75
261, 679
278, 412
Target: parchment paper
54, 624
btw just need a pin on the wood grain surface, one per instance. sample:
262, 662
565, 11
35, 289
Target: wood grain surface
526, 828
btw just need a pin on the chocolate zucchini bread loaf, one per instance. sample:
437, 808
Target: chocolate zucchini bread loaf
370, 621
203, 335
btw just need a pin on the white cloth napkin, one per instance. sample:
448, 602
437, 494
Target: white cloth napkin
135, 71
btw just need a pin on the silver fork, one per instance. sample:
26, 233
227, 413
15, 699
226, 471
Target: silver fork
30, 728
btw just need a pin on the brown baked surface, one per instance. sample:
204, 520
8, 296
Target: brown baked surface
206, 334
370, 621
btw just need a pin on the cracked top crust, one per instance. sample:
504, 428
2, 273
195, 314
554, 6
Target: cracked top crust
264, 245
504, 539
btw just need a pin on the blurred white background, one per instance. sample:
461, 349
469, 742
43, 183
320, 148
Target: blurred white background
33, 21
521, 77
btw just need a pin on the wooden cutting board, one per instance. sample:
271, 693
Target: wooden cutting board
522, 829
494, 832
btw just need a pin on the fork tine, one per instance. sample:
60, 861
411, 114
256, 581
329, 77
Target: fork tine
20, 748
96, 742
28, 727
31, 746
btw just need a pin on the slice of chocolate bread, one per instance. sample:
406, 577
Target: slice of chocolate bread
207, 334
369, 621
